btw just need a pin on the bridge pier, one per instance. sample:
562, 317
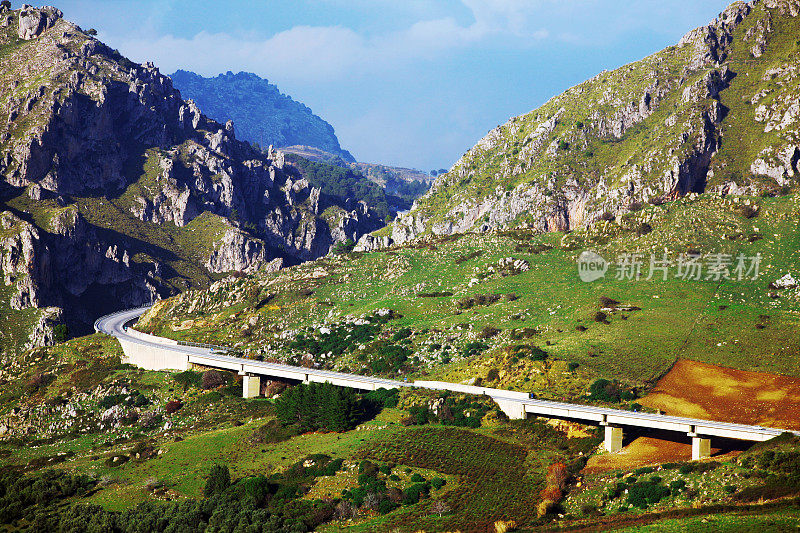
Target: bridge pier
251, 386
613, 440
513, 410
701, 447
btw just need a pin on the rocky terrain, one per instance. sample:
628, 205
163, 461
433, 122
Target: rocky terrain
718, 112
262, 114
402, 185
116, 191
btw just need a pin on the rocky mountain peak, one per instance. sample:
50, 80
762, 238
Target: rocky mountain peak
118, 191
717, 113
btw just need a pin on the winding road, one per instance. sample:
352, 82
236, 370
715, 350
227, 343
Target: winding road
158, 353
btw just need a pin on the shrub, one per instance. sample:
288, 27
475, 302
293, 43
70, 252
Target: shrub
413, 493
217, 481
188, 378
600, 316
344, 247
60, 333
437, 483
573, 366
643, 229
473, 348
748, 211
563, 145
493, 375
173, 406
38, 381
488, 332
604, 390
404, 333
320, 406
441, 294
417, 478
643, 494
213, 379
557, 475
607, 302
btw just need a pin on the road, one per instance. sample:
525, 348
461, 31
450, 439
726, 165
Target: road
514, 403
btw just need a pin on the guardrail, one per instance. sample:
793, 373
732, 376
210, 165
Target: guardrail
213, 347
522, 402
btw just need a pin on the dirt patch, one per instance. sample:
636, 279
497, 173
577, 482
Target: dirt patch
700, 390
642, 451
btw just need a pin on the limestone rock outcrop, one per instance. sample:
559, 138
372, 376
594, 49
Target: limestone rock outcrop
125, 183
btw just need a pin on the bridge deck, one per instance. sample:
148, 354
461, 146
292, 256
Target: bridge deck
518, 403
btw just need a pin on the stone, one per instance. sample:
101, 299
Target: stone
32, 22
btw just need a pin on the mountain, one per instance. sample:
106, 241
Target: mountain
717, 113
402, 185
262, 114
115, 191
90, 442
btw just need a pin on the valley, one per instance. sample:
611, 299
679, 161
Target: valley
588, 323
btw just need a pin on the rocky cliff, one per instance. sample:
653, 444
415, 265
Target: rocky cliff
261, 112
116, 191
717, 113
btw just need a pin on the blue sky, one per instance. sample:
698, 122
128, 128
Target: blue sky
405, 82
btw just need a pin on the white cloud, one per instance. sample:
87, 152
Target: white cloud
305, 54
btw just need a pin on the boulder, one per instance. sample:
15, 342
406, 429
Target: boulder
32, 22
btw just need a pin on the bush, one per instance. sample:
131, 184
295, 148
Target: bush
402, 334
417, 478
573, 366
413, 493
188, 378
643, 494
493, 375
218, 480
437, 483
605, 390
488, 332
60, 333
643, 229
473, 348
173, 406
320, 406
213, 379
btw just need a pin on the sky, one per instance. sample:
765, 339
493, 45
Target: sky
411, 83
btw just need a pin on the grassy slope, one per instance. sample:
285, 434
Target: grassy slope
210, 431
678, 318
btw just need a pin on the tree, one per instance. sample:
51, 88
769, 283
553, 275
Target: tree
91, 31
218, 480
344, 247
60, 333
5, 4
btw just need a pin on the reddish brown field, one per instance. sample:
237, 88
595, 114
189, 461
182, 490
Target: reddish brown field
700, 390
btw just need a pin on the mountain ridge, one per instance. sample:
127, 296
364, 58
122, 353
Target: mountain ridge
712, 114
262, 114
117, 192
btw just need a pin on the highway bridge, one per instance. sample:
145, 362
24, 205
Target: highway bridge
158, 353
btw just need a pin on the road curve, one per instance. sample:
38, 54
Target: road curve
115, 325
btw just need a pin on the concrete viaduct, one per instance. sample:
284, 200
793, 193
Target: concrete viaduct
158, 353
